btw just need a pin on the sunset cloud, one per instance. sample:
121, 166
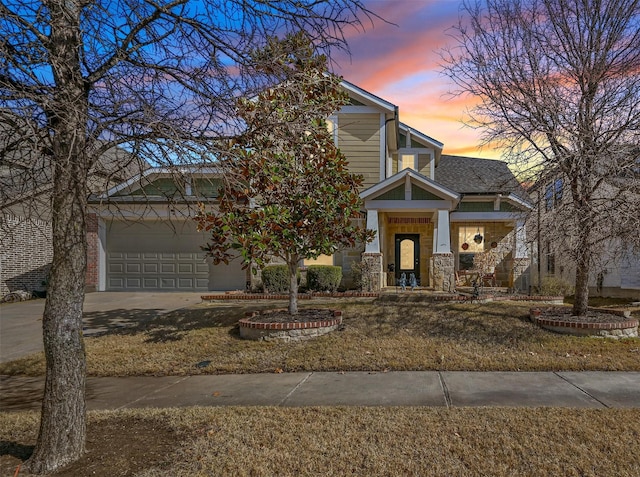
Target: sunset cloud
399, 62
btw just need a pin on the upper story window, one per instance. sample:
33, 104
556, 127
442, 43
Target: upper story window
332, 126
553, 194
408, 161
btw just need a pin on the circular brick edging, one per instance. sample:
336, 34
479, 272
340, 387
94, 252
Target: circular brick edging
614, 329
286, 331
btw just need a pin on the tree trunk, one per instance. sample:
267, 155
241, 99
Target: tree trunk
293, 288
581, 302
61, 439
62, 425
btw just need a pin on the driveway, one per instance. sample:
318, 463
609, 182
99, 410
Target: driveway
21, 323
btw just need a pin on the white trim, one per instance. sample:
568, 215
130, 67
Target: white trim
432, 165
102, 255
442, 232
366, 96
407, 205
372, 224
521, 240
407, 187
409, 131
156, 172
383, 146
490, 216
350, 109
419, 179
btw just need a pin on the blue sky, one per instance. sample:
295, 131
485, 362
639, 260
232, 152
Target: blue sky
400, 63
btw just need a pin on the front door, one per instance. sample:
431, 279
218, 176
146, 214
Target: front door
408, 255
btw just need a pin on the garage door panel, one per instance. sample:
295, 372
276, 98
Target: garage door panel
116, 283
116, 267
202, 267
150, 267
167, 267
133, 267
133, 282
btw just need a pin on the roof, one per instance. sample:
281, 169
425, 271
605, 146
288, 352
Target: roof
472, 175
22, 177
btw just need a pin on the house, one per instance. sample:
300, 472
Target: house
25, 215
615, 269
436, 216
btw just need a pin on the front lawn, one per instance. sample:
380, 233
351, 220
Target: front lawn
338, 441
377, 336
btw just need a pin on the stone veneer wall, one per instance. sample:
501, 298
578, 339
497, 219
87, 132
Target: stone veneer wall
26, 253
443, 272
373, 263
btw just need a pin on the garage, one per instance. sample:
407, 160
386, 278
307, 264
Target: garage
152, 255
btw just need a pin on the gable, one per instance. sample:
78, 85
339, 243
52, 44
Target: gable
408, 185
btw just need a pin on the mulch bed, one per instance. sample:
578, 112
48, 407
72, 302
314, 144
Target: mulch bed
306, 315
564, 314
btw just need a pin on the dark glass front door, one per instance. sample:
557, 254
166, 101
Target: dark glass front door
408, 255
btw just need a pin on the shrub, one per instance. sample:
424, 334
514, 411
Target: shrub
275, 279
324, 277
552, 286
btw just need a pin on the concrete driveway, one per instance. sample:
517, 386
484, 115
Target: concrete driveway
21, 323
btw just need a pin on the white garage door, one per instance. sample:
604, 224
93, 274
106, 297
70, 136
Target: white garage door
156, 255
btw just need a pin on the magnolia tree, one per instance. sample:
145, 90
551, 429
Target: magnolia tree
288, 193
557, 83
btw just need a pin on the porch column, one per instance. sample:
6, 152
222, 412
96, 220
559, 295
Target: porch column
442, 233
372, 258
372, 224
521, 262
442, 260
521, 240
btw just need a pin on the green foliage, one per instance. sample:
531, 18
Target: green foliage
324, 277
553, 286
275, 279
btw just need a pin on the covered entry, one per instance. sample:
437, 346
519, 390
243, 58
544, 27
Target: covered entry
407, 255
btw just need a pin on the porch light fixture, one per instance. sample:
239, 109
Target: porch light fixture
478, 238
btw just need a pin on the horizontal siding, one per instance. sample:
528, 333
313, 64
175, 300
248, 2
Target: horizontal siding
359, 141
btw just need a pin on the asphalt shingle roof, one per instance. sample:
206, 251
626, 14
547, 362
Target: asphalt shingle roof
471, 175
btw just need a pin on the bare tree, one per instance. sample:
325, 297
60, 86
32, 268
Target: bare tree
157, 78
557, 83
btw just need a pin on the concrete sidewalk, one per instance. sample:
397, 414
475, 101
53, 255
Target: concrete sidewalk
406, 388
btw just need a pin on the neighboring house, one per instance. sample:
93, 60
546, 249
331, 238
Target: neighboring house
615, 271
25, 215
426, 208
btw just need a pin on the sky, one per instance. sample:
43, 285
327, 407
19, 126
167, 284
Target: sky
400, 63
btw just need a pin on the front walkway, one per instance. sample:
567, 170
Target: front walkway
589, 389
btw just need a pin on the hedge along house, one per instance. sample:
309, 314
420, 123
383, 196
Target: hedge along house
425, 207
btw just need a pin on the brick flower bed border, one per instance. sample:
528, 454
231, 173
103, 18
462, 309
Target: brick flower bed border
288, 330
273, 296
613, 329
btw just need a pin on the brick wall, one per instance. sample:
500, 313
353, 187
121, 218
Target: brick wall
26, 253
91, 281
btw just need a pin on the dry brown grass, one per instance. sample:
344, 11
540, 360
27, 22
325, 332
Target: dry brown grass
260, 441
377, 336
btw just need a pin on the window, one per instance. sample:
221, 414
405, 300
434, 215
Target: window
408, 161
466, 236
467, 247
553, 194
332, 126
